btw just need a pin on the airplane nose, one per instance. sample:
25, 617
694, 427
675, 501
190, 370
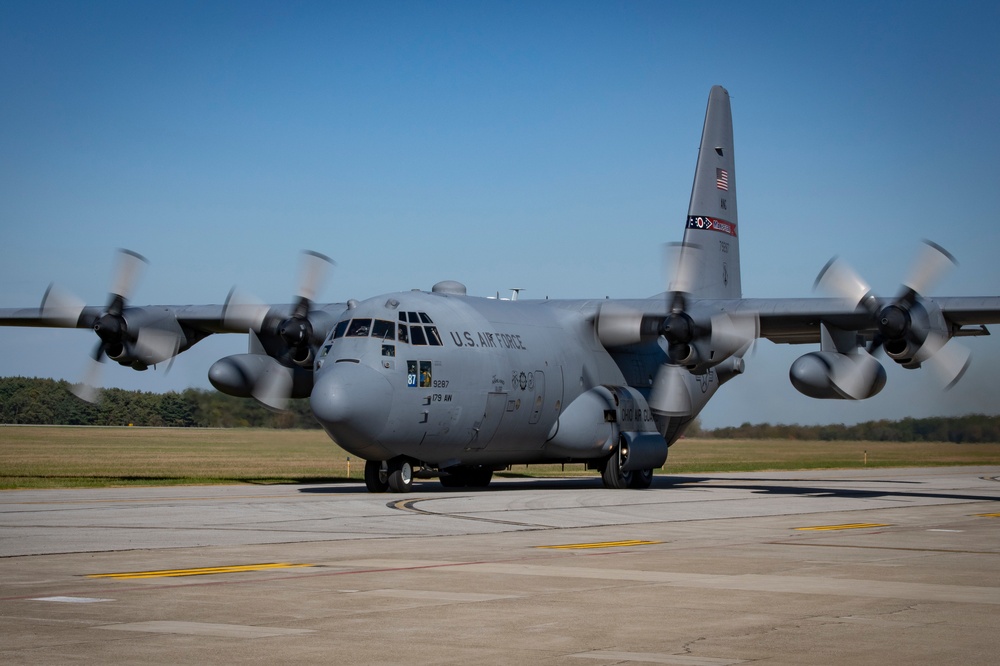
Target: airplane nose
352, 402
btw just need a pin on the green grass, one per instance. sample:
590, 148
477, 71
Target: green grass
64, 457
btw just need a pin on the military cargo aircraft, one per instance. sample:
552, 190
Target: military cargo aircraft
441, 383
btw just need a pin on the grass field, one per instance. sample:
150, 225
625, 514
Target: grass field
54, 457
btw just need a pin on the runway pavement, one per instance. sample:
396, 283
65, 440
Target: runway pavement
859, 567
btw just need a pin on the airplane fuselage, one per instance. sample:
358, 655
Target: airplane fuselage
449, 379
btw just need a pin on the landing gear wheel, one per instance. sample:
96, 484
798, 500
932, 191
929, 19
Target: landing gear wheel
479, 478
641, 479
612, 474
451, 481
467, 477
400, 476
377, 476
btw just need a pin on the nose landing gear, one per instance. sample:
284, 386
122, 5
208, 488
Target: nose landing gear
395, 475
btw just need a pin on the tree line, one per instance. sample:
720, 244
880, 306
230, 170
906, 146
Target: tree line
969, 429
50, 402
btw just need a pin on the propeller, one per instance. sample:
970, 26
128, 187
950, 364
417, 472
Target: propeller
694, 340
243, 311
911, 330
281, 343
297, 330
694, 344
151, 338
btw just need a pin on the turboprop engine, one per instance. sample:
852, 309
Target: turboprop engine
282, 343
911, 328
134, 337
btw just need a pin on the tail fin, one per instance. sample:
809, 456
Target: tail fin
711, 221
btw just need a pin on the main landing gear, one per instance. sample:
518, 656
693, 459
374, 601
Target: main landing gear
466, 477
397, 475
614, 477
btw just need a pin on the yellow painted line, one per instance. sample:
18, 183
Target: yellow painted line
988, 515
847, 526
604, 544
204, 571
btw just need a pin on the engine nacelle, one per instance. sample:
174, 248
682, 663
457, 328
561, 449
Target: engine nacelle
913, 334
142, 337
125, 354
832, 375
601, 418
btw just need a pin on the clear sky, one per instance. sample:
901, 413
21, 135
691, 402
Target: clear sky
544, 145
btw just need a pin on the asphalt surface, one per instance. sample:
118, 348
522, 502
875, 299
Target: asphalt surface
871, 567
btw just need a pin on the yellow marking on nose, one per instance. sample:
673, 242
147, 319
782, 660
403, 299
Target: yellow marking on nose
846, 526
603, 544
203, 571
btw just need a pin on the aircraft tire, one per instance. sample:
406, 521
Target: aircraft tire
451, 481
612, 474
479, 478
376, 476
641, 479
401, 477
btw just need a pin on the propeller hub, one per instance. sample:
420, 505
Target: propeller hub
893, 322
110, 328
678, 328
295, 331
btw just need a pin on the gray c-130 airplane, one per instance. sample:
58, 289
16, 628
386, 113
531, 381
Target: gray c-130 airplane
440, 383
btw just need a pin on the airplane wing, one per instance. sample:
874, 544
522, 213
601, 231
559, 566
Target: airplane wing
192, 323
143, 336
205, 318
797, 321
699, 335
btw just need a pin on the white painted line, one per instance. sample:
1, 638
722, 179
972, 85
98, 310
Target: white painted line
653, 658
205, 629
72, 600
434, 595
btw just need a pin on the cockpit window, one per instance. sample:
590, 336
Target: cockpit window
384, 330
340, 329
359, 328
418, 335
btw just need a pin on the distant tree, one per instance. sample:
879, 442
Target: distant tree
46, 401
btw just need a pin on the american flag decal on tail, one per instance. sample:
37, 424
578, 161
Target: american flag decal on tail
722, 179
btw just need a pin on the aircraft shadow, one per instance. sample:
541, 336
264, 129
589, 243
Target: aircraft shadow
432, 485
828, 488
757, 485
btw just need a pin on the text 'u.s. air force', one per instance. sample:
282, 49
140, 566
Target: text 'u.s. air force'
487, 339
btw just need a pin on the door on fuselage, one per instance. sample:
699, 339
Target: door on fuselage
484, 429
539, 399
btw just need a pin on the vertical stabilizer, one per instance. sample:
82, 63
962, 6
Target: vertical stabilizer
712, 220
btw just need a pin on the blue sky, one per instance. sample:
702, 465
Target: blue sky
545, 145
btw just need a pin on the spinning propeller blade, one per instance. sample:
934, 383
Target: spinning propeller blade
906, 328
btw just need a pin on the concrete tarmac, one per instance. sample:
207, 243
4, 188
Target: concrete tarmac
860, 567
